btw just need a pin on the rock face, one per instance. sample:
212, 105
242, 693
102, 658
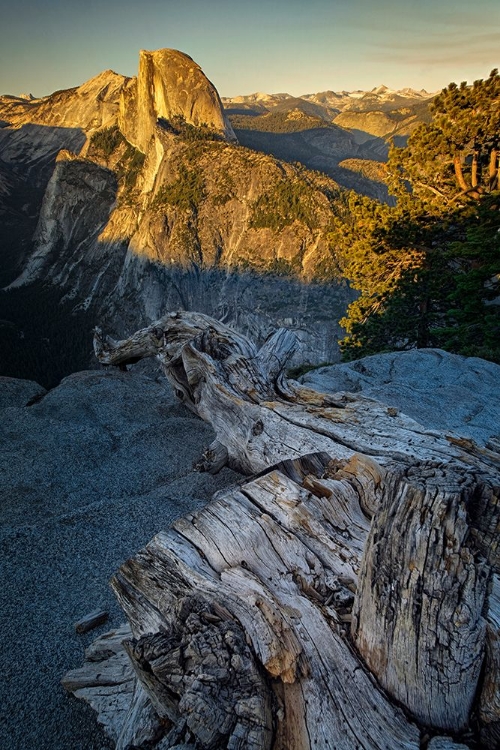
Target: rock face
94, 104
75, 208
32, 133
169, 85
152, 207
131, 254
440, 390
17, 393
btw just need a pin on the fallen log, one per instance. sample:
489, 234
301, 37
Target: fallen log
340, 598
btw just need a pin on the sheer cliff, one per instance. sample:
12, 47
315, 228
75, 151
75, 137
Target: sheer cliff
169, 85
152, 205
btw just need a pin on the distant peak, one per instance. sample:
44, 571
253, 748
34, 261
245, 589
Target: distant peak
380, 90
101, 80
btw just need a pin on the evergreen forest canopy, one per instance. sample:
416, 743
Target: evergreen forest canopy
428, 269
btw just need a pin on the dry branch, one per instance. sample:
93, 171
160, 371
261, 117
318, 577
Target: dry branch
355, 567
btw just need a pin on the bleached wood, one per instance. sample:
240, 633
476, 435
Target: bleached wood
106, 681
418, 617
261, 570
261, 418
369, 527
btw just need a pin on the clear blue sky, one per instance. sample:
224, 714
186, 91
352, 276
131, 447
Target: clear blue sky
297, 46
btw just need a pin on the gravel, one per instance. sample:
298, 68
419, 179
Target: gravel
89, 473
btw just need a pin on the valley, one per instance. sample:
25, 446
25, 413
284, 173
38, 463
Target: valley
344, 135
127, 197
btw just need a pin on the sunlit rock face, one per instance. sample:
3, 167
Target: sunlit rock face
169, 85
92, 105
149, 214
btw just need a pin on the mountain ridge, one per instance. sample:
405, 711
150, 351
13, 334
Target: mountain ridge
329, 97
151, 212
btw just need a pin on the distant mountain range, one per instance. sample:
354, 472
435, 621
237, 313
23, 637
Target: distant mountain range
330, 101
334, 132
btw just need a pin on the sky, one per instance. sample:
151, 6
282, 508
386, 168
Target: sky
244, 46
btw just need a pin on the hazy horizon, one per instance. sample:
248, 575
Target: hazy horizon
243, 48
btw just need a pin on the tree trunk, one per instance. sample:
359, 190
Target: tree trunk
362, 530
475, 168
457, 164
423, 322
493, 169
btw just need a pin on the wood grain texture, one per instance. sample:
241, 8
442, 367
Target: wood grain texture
489, 701
350, 578
265, 569
418, 618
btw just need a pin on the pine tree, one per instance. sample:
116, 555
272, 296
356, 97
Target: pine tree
457, 153
428, 270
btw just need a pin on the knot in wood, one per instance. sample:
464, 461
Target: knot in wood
204, 675
258, 428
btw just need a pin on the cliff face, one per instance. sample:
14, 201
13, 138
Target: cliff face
76, 206
205, 226
160, 209
169, 85
32, 132
364, 125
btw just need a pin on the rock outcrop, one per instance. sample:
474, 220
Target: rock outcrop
92, 105
170, 85
33, 132
440, 390
16, 393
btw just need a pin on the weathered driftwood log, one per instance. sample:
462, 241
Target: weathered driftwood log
278, 563
258, 416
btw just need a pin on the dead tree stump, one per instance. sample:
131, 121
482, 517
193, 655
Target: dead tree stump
339, 598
